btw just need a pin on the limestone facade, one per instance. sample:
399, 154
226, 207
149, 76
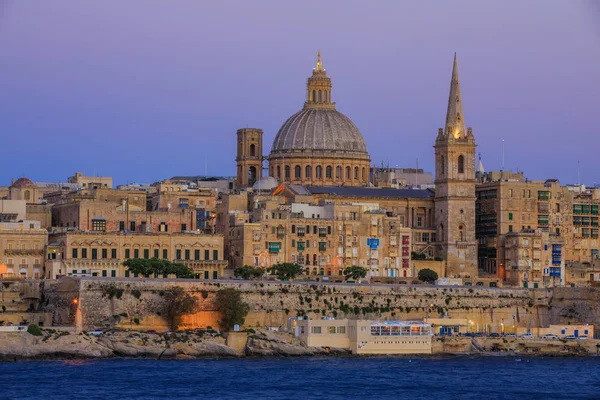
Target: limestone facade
103, 253
22, 249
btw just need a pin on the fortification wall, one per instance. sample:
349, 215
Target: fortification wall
136, 303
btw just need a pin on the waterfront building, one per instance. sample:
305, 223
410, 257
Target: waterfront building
367, 337
78, 253
22, 249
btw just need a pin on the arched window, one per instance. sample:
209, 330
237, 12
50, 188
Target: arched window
320, 96
338, 172
27, 195
252, 150
314, 96
251, 175
461, 233
314, 259
328, 171
297, 171
347, 172
319, 172
356, 173
287, 172
364, 175
278, 172
461, 164
308, 172
442, 166
326, 95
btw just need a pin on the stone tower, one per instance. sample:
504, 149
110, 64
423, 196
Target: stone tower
455, 189
249, 156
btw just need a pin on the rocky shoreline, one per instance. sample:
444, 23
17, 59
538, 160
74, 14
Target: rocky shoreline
53, 345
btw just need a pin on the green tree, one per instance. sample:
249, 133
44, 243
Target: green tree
178, 302
34, 330
428, 275
152, 266
355, 272
232, 308
417, 256
248, 272
286, 270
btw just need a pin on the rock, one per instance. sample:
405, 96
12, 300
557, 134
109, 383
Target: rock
203, 349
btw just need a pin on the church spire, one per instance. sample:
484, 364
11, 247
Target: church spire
455, 123
318, 88
319, 62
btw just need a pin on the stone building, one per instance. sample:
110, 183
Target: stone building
22, 249
324, 239
91, 182
103, 253
534, 259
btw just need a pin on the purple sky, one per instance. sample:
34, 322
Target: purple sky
142, 91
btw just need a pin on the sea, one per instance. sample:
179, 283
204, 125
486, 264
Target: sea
459, 377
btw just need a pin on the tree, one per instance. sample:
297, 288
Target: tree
355, 272
177, 303
154, 266
34, 330
286, 270
428, 275
232, 308
417, 256
248, 272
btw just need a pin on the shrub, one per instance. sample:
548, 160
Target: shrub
248, 272
355, 272
232, 308
136, 321
177, 303
428, 275
204, 294
34, 330
286, 270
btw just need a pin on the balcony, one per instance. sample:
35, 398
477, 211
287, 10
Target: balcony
23, 252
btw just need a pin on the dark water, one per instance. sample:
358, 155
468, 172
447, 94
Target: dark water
305, 378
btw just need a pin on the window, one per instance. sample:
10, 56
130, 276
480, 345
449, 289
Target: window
287, 172
94, 254
187, 254
308, 172
165, 254
215, 254
293, 228
155, 253
83, 253
136, 253
510, 228
113, 253
315, 329
127, 253
104, 273
278, 172
510, 193
74, 253
338, 172
419, 221
146, 253
319, 172
252, 150
314, 96
121, 226
297, 170
132, 226
347, 172
510, 216
206, 255
461, 164
320, 96
178, 254
328, 171
99, 225
364, 174
113, 273
183, 227
104, 253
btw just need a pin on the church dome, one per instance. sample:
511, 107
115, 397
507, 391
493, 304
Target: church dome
265, 183
319, 129
23, 182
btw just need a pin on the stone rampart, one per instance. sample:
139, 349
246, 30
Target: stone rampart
136, 303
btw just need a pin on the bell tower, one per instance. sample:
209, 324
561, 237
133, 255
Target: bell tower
455, 189
249, 156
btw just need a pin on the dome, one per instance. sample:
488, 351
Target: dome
319, 129
23, 182
265, 183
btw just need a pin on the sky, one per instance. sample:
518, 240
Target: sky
142, 91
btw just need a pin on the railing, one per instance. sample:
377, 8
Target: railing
23, 252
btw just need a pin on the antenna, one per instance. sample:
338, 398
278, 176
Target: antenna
578, 174
502, 154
